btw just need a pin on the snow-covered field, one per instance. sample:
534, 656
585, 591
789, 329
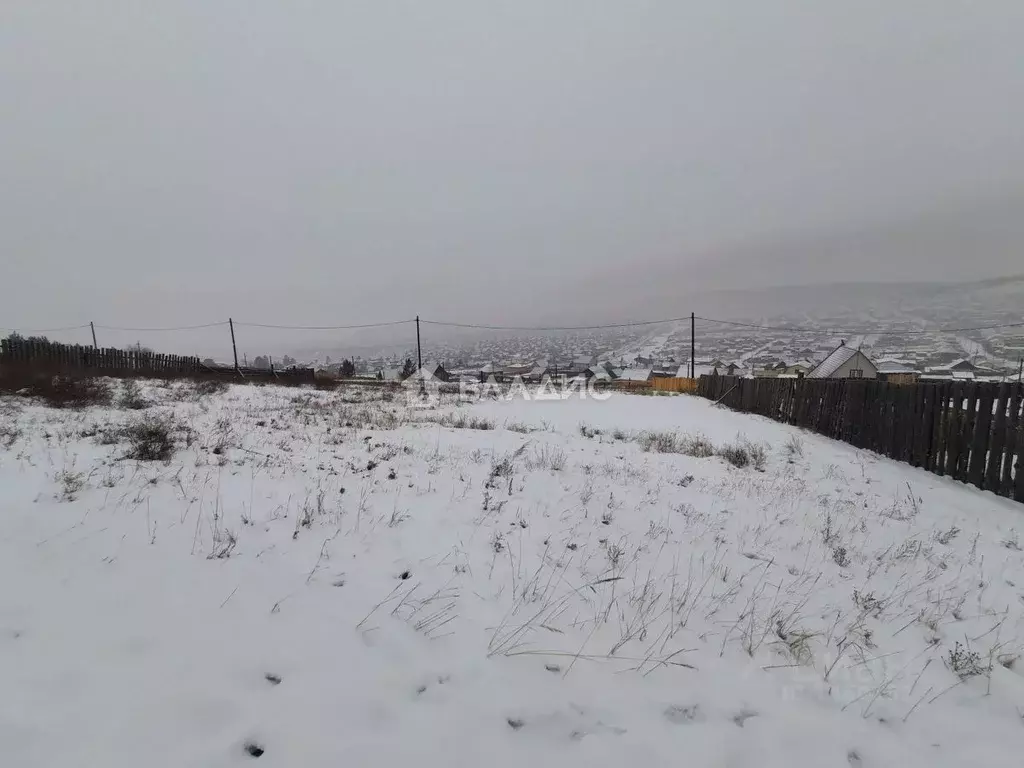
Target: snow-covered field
332, 579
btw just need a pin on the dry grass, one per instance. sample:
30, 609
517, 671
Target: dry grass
59, 391
151, 438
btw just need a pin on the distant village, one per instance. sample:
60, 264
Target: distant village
844, 361
639, 355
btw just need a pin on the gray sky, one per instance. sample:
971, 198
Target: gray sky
176, 161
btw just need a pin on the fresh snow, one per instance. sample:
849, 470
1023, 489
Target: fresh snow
406, 591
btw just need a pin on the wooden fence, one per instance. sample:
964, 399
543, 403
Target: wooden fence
37, 356
631, 386
49, 356
970, 431
687, 386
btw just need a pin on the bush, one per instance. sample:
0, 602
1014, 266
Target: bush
71, 483
794, 447
150, 439
697, 446
659, 442
210, 387
735, 454
744, 453
459, 421
325, 383
59, 391
842, 559
966, 663
547, 457
131, 396
9, 429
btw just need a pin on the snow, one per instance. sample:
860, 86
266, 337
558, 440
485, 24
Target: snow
571, 599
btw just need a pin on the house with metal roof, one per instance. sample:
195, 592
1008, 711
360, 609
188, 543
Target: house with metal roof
844, 363
897, 370
431, 371
636, 374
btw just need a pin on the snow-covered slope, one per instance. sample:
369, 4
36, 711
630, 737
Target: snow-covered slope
325, 579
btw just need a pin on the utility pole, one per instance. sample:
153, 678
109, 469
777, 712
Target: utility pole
693, 345
419, 352
1020, 369
93, 329
234, 349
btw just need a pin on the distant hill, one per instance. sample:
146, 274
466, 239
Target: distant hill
995, 296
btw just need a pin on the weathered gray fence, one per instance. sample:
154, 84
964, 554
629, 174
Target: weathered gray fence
39, 356
971, 431
46, 356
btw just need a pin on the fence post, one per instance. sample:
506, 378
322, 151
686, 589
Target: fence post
693, 343
234, 348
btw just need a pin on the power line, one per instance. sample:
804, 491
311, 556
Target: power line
323, 327
555, 328
148, 330
46, 330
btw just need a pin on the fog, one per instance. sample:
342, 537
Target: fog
176, 162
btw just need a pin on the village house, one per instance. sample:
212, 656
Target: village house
431, 370
844, 363
897, 370
961, 369
636, 375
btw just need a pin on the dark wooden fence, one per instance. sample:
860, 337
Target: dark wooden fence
49, 356
970, 431
37, 356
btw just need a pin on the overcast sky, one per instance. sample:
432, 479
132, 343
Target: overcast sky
176, 161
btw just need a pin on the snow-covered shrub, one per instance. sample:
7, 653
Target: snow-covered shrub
63, 391
966, 663
71, 483
131, 396
151, 439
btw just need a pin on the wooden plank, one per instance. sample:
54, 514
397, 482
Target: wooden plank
878, 415
998, 442
797, 404
905, 425
927, 424
954, 408
836, 406
982, 435
860, 409
895, 421
938, 459
921, 424
916, 429
1013, 441
891, 434
849, 392
822, 406
812, 404
1018, 480
899, 422
839, 424
867, 423
967, 431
